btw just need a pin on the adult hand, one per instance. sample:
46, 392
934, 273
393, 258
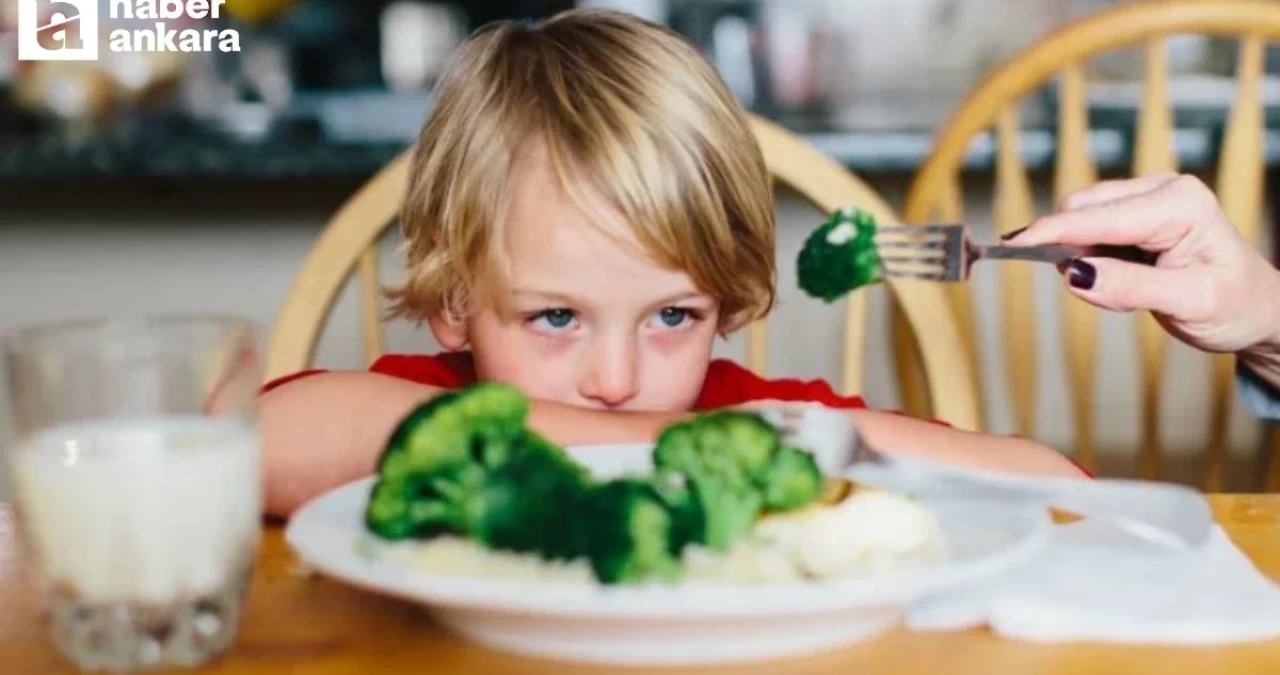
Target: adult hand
1209, 287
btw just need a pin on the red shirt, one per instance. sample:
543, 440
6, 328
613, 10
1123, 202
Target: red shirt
726, 384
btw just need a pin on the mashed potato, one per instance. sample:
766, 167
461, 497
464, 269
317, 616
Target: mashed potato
466, 557
867, 532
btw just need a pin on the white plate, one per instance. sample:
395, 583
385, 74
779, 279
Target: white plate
664, 625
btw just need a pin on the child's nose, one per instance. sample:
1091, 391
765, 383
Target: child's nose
611, 379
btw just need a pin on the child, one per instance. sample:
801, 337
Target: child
587, 210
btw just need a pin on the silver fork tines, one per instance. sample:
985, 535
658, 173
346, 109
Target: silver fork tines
927, 252
946, 252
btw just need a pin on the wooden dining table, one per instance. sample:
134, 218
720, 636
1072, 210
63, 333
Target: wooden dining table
297, 622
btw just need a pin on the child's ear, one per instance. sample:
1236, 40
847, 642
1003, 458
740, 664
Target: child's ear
449, 330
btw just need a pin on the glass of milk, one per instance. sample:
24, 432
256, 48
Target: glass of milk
134, 459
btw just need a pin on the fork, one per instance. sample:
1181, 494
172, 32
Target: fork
1174, 517
947, 252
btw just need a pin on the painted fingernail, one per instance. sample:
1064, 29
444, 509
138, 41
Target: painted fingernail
1082, 275
1010, 235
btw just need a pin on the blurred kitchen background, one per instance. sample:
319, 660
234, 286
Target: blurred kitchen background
197, 182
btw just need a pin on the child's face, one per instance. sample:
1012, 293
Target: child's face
587, 320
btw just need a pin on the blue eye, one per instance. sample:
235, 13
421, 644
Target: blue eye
554, 320
558, 318
674, 317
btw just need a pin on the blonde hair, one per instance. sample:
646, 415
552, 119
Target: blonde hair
627, 108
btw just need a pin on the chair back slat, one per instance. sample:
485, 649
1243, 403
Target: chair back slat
1075, 170
1241, 168
1154, 150
357, 225
1153, 153
913, 389
951, 210
853, 361
1240, 190
1014, 208
371, 330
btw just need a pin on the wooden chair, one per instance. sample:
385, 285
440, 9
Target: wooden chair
935, 192
349, 242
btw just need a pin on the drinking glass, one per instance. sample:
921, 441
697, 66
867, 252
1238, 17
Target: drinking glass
135, 467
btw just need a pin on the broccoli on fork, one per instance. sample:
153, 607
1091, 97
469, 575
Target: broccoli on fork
840, 256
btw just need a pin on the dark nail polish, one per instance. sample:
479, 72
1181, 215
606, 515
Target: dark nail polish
1082, 275
1010, 235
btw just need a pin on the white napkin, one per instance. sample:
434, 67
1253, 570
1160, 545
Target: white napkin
1094, 583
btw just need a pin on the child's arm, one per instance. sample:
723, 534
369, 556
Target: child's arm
890, 434
324, 430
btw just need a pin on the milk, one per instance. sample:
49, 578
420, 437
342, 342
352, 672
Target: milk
152, 510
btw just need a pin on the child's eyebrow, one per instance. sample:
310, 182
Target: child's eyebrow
547, 296
557, 297
680, 297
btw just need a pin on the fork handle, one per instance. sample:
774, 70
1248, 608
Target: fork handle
1061, 254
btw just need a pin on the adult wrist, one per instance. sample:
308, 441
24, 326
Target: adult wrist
1263, 358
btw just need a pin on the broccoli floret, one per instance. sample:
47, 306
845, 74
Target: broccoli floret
719, 455
424, 505
629, 531
464, 463
728, 442
719, 471
840, 256
792, 480
530, 503
480, 423
688, 520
